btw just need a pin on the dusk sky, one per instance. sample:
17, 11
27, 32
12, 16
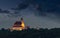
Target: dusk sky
36, 13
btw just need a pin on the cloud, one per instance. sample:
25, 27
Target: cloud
43, 7
4, 11
8, 13
21, 6
37, 7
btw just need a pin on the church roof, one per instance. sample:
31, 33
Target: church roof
18, 22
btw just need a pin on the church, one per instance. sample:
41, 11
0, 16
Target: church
19, 25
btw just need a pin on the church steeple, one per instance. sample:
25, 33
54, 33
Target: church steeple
23, 25
21, 18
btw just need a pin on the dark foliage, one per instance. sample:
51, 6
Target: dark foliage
31, 33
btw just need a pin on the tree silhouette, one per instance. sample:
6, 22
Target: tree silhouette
31, 33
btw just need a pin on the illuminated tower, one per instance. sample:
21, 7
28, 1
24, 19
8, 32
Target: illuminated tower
18, 25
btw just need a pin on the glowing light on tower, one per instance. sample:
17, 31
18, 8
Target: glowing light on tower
23, 25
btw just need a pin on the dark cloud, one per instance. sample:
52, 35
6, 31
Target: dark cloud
43, 6
9, 14
21, 6
4, 11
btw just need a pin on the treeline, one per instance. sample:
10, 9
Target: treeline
31, 33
